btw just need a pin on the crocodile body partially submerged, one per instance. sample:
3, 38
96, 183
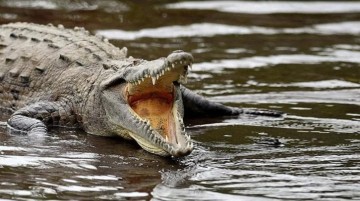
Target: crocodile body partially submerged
51, 76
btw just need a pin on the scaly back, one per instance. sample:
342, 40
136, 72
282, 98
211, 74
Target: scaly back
33, 57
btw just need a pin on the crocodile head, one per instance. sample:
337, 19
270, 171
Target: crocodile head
144, 103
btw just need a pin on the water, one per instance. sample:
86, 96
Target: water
302, 58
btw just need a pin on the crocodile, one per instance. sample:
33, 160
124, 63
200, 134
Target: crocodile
53, 76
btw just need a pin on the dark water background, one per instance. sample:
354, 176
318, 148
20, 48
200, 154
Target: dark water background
302, 58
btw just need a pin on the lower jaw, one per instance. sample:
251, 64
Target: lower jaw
159, 108
143, 143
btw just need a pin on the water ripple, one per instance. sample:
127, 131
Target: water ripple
273, 60
346, 96
322, 84
270, 7
212, 29
269, 173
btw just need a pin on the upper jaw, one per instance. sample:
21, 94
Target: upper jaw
156, 77
178, 62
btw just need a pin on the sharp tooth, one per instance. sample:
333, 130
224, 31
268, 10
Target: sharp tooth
173, 65
151, 136
183, 79
157, 77
168, 68
190, 65
162, 72
187, 137
153, 80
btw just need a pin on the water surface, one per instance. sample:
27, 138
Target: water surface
299, 57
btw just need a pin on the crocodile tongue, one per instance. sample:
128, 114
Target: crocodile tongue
157, 109
153, 101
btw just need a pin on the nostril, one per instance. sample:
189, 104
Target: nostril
177, 51
179, 56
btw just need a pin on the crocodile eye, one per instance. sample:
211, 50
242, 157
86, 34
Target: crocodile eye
137, 62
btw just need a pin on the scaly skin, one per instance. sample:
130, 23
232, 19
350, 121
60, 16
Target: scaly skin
51, 76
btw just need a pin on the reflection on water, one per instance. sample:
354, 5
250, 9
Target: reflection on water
298, 57
210, 29
270, 7
262, 61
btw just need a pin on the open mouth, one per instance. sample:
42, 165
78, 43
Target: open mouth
155, 106
154, 99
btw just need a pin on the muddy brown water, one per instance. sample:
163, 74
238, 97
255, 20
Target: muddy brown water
302, 58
